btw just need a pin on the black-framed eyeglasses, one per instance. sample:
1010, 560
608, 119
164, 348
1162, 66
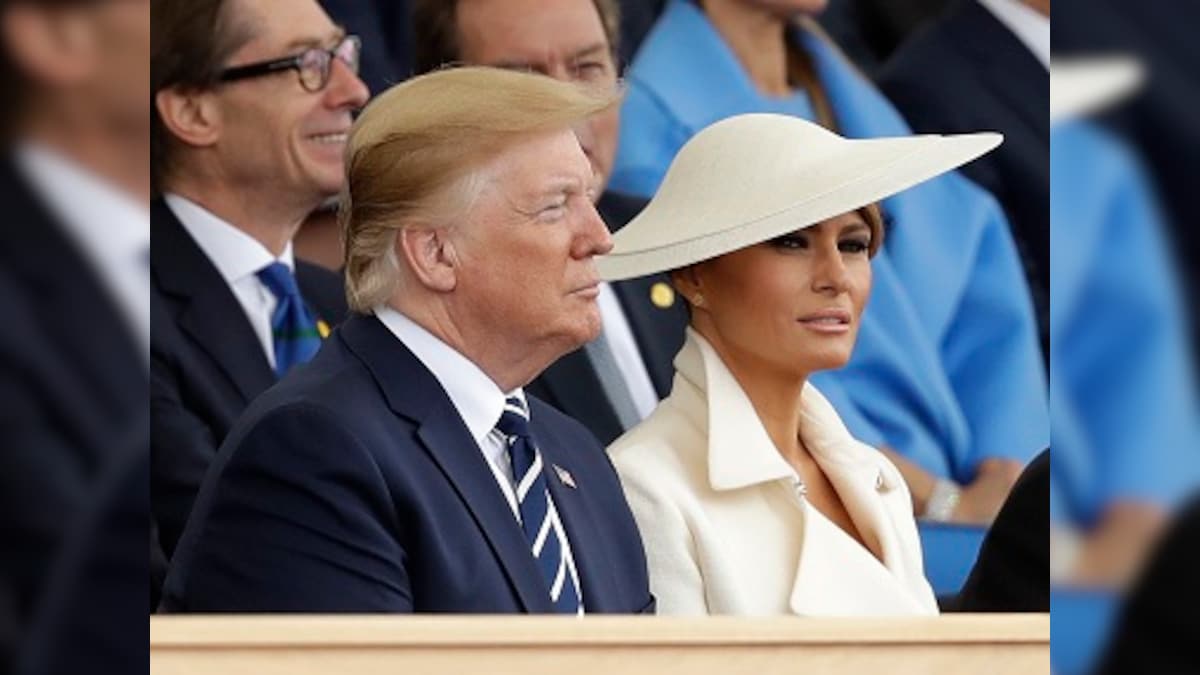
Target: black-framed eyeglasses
313, 64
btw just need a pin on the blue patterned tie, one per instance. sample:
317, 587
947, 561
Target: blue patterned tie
539, 519
296, 335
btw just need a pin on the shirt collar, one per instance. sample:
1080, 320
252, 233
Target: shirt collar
474, 395
1030, 27
111, 227
235, 254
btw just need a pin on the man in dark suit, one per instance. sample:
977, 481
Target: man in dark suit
73, 291
242, 152
405, 469
615, 381
983, 67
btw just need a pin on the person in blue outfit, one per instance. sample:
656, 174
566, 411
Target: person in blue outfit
405, 469
1125, 427
947, 375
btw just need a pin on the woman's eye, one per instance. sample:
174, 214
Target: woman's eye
789, 241
855, 246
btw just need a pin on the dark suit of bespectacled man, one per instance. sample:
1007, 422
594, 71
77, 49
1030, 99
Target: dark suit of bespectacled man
405, 468
237, 165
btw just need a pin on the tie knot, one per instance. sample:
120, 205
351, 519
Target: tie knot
514, 421
279, 279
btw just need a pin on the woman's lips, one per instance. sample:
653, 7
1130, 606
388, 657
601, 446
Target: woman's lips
829, 322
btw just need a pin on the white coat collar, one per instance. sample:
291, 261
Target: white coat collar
741, 453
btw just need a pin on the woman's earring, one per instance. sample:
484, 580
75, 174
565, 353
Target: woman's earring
698, 300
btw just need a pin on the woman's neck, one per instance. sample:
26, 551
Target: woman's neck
758, 41
775, 395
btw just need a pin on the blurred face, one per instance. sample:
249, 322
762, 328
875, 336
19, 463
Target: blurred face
93, 56
275, 135
122, 60
525, 248
792, 304
564, 39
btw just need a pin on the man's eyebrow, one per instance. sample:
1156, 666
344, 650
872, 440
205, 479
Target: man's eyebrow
598, 48
308, 42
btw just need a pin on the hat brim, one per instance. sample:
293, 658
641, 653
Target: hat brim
873, 170
1083, 85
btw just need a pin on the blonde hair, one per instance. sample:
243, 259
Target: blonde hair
422, 138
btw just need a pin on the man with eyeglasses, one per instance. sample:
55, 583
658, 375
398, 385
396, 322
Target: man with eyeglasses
252, 101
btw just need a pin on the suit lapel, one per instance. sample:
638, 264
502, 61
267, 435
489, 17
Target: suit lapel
415, 394
591, 558
658, 330
208, 312
74, 309
1020, 81
572, 385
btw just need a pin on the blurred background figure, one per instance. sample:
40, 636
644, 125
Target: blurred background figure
74, 288
1123, 392
947, 375
984, 64
252, 104
1161, 121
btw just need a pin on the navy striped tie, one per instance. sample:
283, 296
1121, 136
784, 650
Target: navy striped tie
539, 519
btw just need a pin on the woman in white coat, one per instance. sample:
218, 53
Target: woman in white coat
751, 495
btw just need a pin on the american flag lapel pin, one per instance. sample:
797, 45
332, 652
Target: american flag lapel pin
565, 476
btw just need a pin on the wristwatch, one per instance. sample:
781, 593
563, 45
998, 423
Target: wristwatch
943, 499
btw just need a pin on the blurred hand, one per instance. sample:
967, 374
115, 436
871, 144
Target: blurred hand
982, 499
1112, 554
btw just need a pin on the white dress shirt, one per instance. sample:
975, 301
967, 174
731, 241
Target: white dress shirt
111, 228
479, 403
626, 353
238, 257
1028, 24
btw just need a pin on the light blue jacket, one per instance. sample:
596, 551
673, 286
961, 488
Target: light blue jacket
947, 369
1122, 392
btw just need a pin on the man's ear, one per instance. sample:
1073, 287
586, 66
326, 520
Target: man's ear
192, 117
430, 254
55, 46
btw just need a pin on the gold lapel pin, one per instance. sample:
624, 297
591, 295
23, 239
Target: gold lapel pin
322, 329
662, 295
564, 476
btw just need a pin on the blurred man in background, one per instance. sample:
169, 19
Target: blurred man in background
252, 102
74, 189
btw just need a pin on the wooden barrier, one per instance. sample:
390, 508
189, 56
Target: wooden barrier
532, 645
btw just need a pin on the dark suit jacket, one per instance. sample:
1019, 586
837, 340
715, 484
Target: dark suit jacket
1012, 573
72, 384
967, 72
206, 362
95, 603
571, 383
354, 486
386, 33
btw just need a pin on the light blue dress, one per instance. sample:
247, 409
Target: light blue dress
947, 369
1123, 396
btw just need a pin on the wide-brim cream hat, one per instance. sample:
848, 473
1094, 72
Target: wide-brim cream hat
751, 178
1080, 86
